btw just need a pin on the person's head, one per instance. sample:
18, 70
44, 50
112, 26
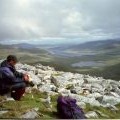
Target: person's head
12, 59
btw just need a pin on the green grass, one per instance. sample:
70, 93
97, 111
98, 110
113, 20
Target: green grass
109, 72
107, 113
17, 108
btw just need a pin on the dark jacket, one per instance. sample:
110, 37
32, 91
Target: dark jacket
9, 76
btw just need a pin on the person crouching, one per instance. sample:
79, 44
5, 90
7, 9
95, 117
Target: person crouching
11, 80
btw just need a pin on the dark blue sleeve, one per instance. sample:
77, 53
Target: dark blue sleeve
10, 77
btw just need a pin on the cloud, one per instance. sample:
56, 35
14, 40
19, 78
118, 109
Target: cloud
35, 19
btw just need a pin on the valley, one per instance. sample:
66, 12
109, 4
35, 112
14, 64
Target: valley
92, 58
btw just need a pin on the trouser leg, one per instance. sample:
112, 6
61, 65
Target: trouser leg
18, 90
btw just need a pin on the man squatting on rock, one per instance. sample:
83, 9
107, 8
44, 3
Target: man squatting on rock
12, 81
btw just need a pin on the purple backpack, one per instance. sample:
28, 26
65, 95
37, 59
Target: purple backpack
68, 109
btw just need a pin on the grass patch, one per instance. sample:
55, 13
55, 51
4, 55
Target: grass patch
17, 108
107, 113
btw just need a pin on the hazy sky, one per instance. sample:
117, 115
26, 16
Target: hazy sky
27, 20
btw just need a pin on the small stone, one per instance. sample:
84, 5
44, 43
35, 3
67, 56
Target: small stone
81, 104
3, 112
91, 114
30, 114
73, 91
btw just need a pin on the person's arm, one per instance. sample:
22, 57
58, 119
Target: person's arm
18, 74
22, 76
14, 76
9, 77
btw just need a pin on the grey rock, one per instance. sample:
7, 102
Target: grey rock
91, 114
54, 81
30, 114
81, 104
3, 112
100, 99
112, 107
110, 100
73, 91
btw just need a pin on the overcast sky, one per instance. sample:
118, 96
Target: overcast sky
27, 20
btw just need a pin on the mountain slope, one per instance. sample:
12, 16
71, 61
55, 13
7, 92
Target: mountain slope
110, 72
96, 45
98, 97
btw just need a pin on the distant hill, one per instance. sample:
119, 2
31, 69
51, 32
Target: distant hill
26, 52
111, 46
62, 57
96, 45
24, 45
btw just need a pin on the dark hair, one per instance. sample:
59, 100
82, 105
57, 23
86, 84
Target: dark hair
12, 57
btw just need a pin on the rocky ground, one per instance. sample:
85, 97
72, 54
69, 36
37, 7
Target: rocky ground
99, 98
